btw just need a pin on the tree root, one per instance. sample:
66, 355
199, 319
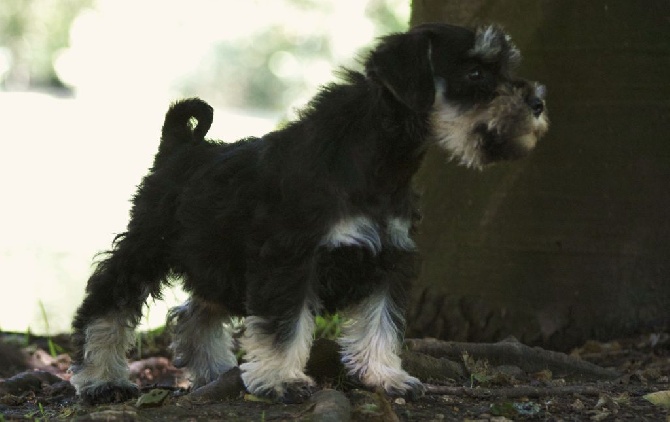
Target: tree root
513, 392
228, 386
511, 352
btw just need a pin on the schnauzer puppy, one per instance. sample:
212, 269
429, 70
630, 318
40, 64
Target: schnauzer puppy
315, 217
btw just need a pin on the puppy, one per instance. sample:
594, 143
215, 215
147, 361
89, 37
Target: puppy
315, 217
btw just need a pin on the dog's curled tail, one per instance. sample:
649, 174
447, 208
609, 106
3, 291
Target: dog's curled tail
186, 122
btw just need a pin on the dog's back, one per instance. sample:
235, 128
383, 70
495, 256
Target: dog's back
197, 200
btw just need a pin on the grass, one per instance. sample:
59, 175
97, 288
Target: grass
54, 349
328, 326
147, 337
37, 415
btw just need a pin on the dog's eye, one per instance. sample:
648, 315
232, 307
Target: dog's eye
475, 74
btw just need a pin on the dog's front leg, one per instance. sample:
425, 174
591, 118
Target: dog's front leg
371, 342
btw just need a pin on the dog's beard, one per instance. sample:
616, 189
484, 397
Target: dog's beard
503, 129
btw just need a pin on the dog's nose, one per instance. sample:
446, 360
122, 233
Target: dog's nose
536, 105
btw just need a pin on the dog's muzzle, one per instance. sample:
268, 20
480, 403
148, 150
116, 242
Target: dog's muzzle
536, 99
536, 105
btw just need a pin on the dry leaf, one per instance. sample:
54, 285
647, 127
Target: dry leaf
153, 398
659, 398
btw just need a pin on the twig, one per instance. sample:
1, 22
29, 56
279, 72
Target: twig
513, 392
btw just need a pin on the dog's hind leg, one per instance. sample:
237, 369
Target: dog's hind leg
103, 327
201, 342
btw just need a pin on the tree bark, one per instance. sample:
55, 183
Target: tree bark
572, 242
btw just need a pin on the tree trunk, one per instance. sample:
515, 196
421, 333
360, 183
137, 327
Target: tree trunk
573, 242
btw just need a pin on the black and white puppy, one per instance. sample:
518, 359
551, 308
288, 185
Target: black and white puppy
315, 217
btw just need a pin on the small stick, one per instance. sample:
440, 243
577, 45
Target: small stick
513, 392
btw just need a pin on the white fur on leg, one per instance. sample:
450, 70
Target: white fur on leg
270, 368
202, 343
371, 345
107, 341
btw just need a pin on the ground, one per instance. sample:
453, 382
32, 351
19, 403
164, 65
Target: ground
483, 382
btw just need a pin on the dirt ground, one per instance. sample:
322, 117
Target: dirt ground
484, 382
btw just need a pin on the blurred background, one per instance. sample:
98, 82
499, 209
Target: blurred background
84, 85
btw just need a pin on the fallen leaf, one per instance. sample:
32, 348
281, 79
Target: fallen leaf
577, 405
251, 397
503, 409
659, 398
527, 408
153, 398
598, 415
544, 376
622, 399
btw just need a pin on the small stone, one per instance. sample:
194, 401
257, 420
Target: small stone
400, 401
577, 405
330, 406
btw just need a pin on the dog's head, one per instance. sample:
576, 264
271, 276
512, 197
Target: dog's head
464, 80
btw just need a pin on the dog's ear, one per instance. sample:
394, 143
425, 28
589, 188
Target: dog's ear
402, 63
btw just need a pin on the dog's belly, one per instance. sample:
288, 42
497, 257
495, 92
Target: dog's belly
355, 259
347, 275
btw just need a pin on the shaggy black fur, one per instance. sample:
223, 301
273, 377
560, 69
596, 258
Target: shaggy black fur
243, 224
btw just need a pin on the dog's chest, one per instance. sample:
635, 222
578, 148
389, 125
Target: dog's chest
362, 231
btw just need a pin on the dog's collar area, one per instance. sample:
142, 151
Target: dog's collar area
362, 232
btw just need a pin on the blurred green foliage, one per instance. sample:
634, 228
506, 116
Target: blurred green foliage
328, 326
249, 74
31, 33
271, 69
